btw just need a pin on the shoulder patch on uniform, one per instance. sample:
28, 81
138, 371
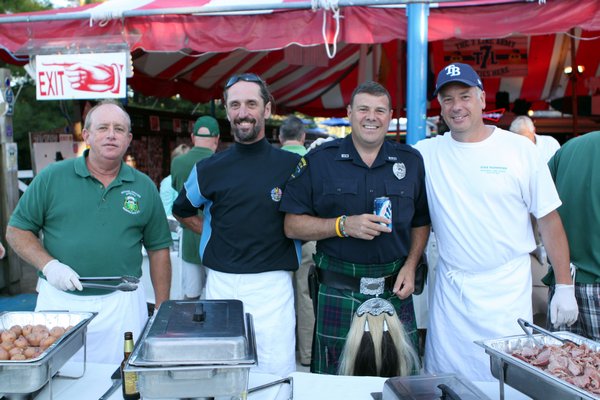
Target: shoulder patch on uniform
300, 167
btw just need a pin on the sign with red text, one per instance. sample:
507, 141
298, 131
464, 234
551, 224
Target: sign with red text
80, 76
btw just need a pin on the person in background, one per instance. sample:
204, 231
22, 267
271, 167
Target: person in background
546, 145
292, 137
575, 170
205, 139
330, 199
167, 193
130, 160
243, 247
482, 184
95, 213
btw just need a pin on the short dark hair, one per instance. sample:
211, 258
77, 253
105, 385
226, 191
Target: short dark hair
292, 128
372, 88
250, 77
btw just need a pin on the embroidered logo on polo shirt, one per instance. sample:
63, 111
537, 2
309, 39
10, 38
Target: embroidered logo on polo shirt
276, 194
399, 170
131, 203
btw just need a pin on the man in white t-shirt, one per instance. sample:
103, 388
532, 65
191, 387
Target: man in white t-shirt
482, 184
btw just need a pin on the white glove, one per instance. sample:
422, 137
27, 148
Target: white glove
319, 142
61, 276
563, 306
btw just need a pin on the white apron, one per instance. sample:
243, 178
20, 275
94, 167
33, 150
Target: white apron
269, 297
118, 312
475, 306
193, 277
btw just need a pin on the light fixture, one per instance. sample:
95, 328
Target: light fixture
569, 70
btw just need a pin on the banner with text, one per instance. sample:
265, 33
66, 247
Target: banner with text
81, 76
491, 58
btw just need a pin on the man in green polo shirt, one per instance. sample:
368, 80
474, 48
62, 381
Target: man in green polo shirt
95, 213
205, 139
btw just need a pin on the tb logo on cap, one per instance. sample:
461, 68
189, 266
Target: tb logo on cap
452, 70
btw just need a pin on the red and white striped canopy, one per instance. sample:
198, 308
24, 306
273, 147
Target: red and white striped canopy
191, 47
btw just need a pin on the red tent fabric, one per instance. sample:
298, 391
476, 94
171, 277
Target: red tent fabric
192, 55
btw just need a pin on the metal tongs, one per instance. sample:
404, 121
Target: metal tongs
524, 324
124, 283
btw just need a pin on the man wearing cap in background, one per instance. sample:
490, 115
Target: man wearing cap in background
482, 184
205, 139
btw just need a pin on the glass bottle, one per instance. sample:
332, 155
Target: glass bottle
129, 379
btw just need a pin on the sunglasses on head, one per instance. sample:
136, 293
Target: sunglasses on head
247, 77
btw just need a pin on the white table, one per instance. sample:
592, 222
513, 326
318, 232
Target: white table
327, 387
306, 386
96, 381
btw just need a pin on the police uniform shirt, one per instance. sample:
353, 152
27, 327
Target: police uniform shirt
332, 180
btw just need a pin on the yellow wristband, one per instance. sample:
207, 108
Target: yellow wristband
337, 227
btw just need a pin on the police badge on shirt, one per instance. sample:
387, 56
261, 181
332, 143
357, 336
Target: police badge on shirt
399, 170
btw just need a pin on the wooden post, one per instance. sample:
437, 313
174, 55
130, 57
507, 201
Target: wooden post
10, 266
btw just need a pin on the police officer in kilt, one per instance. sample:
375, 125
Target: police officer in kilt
330, 199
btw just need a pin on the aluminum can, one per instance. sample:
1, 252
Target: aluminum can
383, 206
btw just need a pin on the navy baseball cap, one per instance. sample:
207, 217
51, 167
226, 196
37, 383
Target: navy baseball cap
457, 72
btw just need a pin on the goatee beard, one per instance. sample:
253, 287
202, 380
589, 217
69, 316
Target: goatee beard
243, 136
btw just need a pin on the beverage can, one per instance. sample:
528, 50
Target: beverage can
383, 206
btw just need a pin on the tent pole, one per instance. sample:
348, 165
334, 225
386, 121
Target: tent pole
219, 9
416, 88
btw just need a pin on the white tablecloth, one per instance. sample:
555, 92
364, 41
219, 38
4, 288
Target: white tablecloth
96, 381
306, 386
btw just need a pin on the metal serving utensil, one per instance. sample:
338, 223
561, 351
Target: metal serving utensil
124, 278
116, 382
123, 286
524, 324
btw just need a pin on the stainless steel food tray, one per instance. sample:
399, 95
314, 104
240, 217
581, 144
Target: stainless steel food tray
527, 378
226, 378
417, 387
195, 332
27, 376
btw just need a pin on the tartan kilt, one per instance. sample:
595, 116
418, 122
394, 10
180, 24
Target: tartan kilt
335, 311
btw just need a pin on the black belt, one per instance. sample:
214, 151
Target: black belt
370, 286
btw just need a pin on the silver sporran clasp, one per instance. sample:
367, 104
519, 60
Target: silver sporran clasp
372, 286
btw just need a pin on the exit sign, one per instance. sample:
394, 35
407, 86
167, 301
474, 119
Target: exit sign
80, 76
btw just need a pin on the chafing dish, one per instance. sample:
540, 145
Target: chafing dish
430, 387
526, 378
195, 349
27, 376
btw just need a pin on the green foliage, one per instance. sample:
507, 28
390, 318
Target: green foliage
16, 6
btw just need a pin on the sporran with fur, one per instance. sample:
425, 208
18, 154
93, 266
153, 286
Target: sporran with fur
377, 343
